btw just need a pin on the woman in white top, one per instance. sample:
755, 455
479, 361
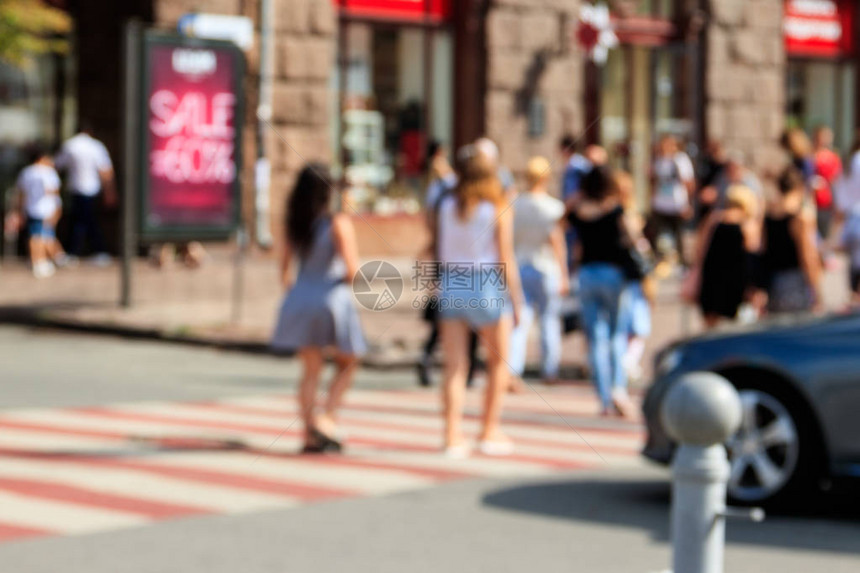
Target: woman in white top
847, 198
542, 258
480, 291
847, 188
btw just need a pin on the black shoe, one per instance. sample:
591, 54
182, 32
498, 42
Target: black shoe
321, 443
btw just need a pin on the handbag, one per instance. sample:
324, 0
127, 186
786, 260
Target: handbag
634, 263
571, 310
691, 285
636, 266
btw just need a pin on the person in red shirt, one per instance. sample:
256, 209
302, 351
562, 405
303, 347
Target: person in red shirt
828, 168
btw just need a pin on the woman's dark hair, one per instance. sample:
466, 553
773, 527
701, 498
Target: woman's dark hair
433, 148
597, 183
308, 202
791, 179
36, 151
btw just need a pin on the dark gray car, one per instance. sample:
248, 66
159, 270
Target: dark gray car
799, 383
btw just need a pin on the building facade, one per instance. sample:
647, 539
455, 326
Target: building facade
365, 85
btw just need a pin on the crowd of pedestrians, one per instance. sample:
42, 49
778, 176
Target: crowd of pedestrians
83, 163
507, 258
90, 179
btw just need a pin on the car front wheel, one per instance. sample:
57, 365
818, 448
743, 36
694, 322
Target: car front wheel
766, 452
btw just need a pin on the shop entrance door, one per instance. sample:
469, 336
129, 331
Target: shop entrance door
643, 96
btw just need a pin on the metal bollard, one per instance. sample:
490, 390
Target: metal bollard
700, 412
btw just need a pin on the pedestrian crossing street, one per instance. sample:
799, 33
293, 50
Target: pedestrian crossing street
71, 471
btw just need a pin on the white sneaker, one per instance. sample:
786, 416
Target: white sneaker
101, 259
458, 452
43, 270
622, 403
496, 447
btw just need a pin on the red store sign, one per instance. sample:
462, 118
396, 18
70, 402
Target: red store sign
411, 10
192, 118
819, 28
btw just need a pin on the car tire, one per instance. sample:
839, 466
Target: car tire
778, 446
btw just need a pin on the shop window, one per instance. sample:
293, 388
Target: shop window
33, 108
26, 100
670, 79
614, 105
642, 96
822, 93
395, 97
656, 8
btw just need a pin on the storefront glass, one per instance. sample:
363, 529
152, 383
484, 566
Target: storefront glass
821, 87
33, 108
823, 93
656, 8
614, 107
396, 97
641, 99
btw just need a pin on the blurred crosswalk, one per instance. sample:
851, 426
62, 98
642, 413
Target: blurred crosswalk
67, 471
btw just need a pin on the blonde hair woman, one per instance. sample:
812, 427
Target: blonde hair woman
723, 262
542, 259
480, 291
799, 148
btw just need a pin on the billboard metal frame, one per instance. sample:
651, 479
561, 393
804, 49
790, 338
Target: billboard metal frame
148, 233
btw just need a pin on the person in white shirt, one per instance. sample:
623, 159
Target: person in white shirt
480, 290
442, 181
846, 192
847, 201
674, 181
39, 186
851, 244
541, 253
90, 171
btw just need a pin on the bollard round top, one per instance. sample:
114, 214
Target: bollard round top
701, 409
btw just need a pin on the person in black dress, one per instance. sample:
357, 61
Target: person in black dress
789, 260
724, 262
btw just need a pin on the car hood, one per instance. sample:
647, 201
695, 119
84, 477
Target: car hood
777, 327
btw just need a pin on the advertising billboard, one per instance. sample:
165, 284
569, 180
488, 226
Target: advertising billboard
191, 111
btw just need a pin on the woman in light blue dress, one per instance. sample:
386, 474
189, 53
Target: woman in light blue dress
318, 314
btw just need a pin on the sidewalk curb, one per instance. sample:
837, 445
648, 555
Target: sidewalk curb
36, 319
41, 320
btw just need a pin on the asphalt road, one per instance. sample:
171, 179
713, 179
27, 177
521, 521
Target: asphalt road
54, 368
604, 520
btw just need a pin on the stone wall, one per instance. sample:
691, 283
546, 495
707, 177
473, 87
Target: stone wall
306, 32
530, 53
745, 79
305, 36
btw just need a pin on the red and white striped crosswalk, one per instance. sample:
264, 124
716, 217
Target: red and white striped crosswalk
66, 471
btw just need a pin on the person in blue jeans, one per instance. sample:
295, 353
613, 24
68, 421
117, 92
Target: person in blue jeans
542, 258
598, 218
480, 292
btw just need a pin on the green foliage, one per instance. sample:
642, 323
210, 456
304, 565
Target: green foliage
29, 28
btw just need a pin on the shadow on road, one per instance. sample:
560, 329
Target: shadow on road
831, 523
